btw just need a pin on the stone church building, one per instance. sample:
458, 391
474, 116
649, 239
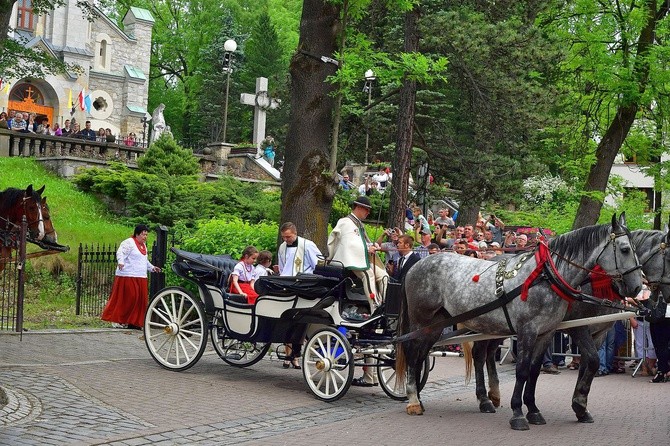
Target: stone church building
115, 64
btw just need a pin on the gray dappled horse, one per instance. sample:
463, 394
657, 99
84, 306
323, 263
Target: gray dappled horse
653, 250
448, 284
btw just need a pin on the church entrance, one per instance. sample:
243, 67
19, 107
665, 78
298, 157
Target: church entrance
26, 97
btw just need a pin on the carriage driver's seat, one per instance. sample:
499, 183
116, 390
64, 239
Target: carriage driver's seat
354, 301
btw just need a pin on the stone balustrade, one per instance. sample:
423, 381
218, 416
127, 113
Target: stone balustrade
65, 155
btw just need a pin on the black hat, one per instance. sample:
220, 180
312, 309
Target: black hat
362, 201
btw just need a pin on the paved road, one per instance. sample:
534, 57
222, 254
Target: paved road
102, 387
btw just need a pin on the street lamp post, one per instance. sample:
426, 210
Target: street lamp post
145, 120
229, 46
367, 88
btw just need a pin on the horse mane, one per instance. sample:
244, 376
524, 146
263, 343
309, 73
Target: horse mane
641, 237
8, 198
580, 243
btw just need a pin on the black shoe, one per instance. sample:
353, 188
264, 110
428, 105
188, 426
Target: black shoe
286, 364
659, 378
360, 382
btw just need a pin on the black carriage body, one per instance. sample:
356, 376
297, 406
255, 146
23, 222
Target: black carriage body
280, 317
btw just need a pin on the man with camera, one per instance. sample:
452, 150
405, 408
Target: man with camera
390, 247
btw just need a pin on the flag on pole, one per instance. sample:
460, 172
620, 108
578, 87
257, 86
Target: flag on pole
70, 103
81, 99
88, 102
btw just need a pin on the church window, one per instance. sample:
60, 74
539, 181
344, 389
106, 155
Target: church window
25, 16
103, 54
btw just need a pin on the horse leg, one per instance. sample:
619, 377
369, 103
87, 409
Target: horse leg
491, 369
523, 362
534, 416
415, 354
479, 356
588, 367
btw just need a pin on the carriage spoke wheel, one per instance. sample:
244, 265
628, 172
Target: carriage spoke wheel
388, 377
175, 329
234, 352
327, 364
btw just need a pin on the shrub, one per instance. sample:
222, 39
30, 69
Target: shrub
230, 236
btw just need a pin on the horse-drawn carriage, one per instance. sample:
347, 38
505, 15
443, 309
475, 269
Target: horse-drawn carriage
326, 308
526, 294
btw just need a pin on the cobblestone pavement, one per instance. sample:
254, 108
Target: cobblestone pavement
102, 387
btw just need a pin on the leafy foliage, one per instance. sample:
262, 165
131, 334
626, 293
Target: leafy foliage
166, 200
166, 157
231, 236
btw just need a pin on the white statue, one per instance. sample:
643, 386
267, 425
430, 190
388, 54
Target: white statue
159, 122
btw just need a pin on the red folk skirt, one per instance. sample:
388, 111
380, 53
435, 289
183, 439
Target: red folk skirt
128, 301
246, 287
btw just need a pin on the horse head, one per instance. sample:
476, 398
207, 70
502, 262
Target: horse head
49, 231
619, 259
38, 216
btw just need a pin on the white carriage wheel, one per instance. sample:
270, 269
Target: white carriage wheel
175, 329
327, 364
234, 352
388, 377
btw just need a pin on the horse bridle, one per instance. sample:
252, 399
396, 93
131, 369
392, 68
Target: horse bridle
617, 276
40, 218
654, 284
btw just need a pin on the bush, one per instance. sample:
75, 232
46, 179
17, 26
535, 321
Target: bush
166, 157
231, 236
166, 200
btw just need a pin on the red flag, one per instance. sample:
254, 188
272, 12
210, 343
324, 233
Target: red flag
82, 106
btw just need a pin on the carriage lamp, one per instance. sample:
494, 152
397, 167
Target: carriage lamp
229, 46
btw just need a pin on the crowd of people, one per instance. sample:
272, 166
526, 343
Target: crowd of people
28, 123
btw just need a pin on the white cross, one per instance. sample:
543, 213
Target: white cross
261, 103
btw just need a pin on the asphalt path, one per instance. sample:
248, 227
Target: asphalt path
103, 387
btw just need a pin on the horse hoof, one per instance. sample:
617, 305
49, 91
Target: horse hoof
519, 424
487, 407
414, 409
585, 417
535, 418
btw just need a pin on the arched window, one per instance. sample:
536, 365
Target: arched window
25, 17
103, 52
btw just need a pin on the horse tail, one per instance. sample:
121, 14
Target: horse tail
467, 355
403, 327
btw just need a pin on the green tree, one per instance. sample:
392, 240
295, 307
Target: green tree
615, 70
166, 157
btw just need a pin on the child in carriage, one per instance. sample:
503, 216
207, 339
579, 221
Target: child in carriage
244, 275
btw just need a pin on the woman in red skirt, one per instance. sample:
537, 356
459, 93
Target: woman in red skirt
127, 304
244, 275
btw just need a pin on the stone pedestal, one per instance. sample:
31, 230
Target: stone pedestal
220, 150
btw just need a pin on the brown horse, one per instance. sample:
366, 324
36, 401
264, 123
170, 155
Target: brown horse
14, 205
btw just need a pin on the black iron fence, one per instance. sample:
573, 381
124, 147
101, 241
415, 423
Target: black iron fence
12, 278
95, 275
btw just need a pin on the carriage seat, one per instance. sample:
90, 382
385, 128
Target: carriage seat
208, 268
308, 286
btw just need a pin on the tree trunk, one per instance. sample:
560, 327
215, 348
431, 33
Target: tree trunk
596, 183
591, 203
308, 188
401, 162
5, 16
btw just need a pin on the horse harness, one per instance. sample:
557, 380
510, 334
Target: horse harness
545, 270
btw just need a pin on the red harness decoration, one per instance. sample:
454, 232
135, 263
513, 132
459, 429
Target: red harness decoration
601, 285
543, 259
